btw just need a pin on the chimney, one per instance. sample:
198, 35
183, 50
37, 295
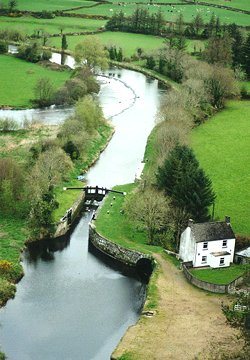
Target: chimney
227, 220
190, 222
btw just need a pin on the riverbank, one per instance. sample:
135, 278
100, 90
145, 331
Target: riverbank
20, 77
13, 231
174, 309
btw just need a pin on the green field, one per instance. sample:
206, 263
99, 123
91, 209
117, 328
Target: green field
222, 146
19, 78
171, 13
28, 25
51, 5
127, 41
238, 4
219, 276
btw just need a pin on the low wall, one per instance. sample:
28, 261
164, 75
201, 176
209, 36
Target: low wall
140, 264
63, 226
215, 288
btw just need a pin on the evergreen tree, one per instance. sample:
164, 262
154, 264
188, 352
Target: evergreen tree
119, 55
237, 44
198, 23
246, 56
186, 184
64, 42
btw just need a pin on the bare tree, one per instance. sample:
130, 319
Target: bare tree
149, 209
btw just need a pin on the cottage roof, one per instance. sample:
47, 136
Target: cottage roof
245, 252
210, 231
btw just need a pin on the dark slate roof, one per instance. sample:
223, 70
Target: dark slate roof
210, 231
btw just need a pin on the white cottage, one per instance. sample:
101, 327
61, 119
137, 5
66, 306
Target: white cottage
208, 244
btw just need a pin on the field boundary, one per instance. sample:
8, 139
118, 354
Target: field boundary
215, 288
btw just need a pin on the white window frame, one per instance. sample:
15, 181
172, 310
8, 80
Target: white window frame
222, 259
204, 259
224, 243
205, 245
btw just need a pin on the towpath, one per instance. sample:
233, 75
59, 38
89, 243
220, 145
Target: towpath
188, 324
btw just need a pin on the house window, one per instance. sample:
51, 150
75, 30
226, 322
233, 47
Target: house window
222, 261
205, 246
204, 259
224, 243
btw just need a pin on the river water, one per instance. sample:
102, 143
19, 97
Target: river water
69, 304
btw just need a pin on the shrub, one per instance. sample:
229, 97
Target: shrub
46, 55
8, 124
3, 47
5, 265
7, 291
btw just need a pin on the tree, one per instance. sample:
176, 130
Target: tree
91, 53
246, 56
64, 42
149, 209
186, 184
12, 5
197, 23
44, 92
219, 50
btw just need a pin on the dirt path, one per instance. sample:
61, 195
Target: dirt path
188, 324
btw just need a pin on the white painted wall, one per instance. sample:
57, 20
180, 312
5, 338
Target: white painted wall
213, 246
187, 245
214, 261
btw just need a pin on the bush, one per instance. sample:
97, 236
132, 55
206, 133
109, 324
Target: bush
7, 291
30, 53
46, 55
3, 47
8, 124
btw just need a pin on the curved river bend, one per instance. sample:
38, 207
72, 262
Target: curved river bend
70, 305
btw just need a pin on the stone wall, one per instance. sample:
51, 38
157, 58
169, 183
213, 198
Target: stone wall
141, 263
222, 289
64, 224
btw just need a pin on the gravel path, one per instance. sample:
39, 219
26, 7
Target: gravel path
189, 323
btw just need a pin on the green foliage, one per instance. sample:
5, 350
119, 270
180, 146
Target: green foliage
91, 53
141, 21
71, 149
64, 42
7, 291
3, 47
44, 92
41, 220
30, 53
186, 183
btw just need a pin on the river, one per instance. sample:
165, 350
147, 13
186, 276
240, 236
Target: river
69, 304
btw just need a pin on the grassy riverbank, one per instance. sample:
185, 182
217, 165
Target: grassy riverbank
13, 231
222, 147
20, 77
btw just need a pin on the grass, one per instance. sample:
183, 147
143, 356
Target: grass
67, 198
221, 276
222, 147
50, 5
239, 4
172, 13
116, 226
29, 25
127, 41
19, 78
